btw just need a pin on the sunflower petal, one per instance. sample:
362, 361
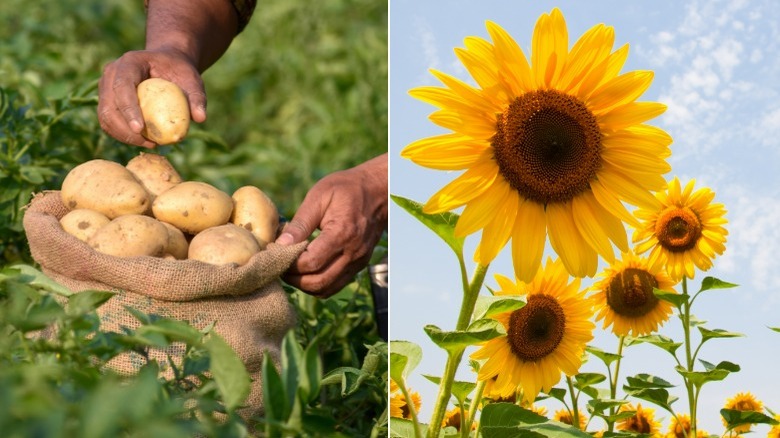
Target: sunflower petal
592, 48
497, 233
480, 211
620, 91
468, 93
567, 241
550, 48
446, 152
512, 60
463, 189
472, 125
630, 114
612, 203
588, 224
528, 238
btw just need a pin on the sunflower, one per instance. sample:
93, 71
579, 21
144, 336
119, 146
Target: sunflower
643, 421
399, 408
453, 418
685, 230
544, 338
555, 145
774, 432
743, 401
564, 416
625, 298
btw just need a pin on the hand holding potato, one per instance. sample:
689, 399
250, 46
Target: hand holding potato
119, 111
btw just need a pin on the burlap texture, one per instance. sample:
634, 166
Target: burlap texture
247, 302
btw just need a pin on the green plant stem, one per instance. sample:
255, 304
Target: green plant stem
575, 412
686, 321
474, 407
412, 410
454, 357
614, 381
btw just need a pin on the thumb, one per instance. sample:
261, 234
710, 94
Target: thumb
301, 226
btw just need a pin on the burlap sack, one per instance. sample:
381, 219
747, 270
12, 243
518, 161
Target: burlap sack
247, 303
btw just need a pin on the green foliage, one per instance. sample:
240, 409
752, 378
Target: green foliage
500, 420
478, 331
443, 224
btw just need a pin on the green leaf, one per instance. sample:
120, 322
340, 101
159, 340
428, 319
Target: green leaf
712, 373
460, 390
647, 381
500, 420
658, 396
584, 380
659, 341
479, 331
597, 406
735, 418
36, 278
707, 334
87, 301
714, 283
172, 330
404, 358
676, 299
277, 407
488, 305
558, 394
292, 372
229, 373
443, 224
605, 357
777, 329
403, 428
313, 370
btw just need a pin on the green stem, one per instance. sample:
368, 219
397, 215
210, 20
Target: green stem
613, 382
686, 320
412, 411
454, 357
575, 412
474, 406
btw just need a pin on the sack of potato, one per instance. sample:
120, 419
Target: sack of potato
179, 249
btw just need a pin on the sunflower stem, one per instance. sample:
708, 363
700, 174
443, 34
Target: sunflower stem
614, 381
575, 412
686, 321
471, 292
474, 406
412, 410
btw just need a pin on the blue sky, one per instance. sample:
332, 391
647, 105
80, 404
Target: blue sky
717, 65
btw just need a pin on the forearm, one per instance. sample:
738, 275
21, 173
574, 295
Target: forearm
201, 30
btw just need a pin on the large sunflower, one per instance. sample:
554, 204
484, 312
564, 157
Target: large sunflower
643, 421
625, 298
743, 401
555, 145
686, 229
544, 338
399, 407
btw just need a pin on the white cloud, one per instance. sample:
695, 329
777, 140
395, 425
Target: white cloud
428, 48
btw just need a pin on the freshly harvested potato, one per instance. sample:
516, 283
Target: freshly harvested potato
154, 172
255, 211
224, 244
106, 187
131, 235
83, 223
177, 244
165, 110
193, 206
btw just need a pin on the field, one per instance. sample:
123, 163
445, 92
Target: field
302, 92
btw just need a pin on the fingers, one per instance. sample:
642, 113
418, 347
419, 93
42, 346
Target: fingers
111, 118
305, 221
337, 274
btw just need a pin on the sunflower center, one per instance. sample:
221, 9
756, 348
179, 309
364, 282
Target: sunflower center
536, 329
630, 292
639, 424
678, 229
454, 420
547, 146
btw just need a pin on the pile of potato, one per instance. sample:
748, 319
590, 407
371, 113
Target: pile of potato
145, 209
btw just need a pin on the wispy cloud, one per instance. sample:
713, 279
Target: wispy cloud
428, 49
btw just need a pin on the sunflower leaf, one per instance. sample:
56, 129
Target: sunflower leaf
598, 406
735, 418
443, 224
659, 341
707, 334
403, 428
584, 380
479, 331
505, 420
605, 357
647, 381
460, 390
404, 358
658, 396
488, 306
713, 373
777, 329
677, 300
714, 283
558, 394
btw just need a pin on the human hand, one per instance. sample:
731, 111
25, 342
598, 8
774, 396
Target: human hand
350, 209
118, 110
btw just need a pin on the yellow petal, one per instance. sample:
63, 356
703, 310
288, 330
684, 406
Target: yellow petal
496, 234
528, 237
512, 60
505, 285
633, 113
468, 93
550, 48
474, 126
592, 48
565, 239
620, 91
600, 73
626, 188
481, 210
612, 203
463, 189
588, 224
446, 152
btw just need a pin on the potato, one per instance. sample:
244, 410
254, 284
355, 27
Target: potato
154, 172
106, 187
83, 223
224, 244
165, 110
193, 206
131, 235
256, 212
177, 244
